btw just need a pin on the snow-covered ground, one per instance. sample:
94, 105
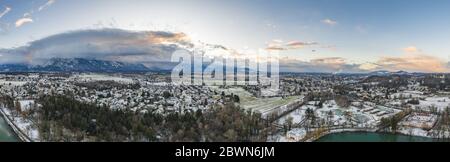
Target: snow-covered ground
102, 77
13, 83
362, 117
421, 124
426, 102
265, 106
438, 102
293, 135
25, 105
26, 126
413, 131
407, 94
365, 118
356, 118
423, 121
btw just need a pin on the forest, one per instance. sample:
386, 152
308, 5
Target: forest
62, 118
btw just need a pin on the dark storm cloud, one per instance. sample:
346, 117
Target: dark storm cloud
147, 46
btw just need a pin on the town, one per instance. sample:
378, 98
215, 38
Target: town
307, 107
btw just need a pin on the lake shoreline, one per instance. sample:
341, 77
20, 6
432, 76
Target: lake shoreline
343, 131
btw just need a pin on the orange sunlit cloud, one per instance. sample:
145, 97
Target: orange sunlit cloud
414, 62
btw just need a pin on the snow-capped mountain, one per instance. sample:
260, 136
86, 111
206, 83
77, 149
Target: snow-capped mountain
76, 65
386, 73
380, 73
401, 73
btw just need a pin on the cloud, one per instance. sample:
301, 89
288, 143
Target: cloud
329, 47
4, 27
279, 41
23, 21
48, 4
368, 66
300, 44
275, 48
407, 62
165, 37
329, 60
154, 49
321, 65
7, 9
27, 16
275, 45
411, 49
103, 44
329, 22
413, 62
280, 46
335, 63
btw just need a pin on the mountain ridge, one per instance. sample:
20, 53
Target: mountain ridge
76, 65
96, 65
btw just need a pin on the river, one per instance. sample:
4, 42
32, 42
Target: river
373, 137
6, 133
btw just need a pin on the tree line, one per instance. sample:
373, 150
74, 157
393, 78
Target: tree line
62, 118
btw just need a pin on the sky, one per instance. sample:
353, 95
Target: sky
311, 35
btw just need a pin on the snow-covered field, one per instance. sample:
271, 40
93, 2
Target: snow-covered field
438, 102
407, 94
269, 105
13, 83
419, 124
426, 102
26, 126
366, 117
293, 135
102, 77
416, 120
413, 131
263, 105
362, 117
25, 105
